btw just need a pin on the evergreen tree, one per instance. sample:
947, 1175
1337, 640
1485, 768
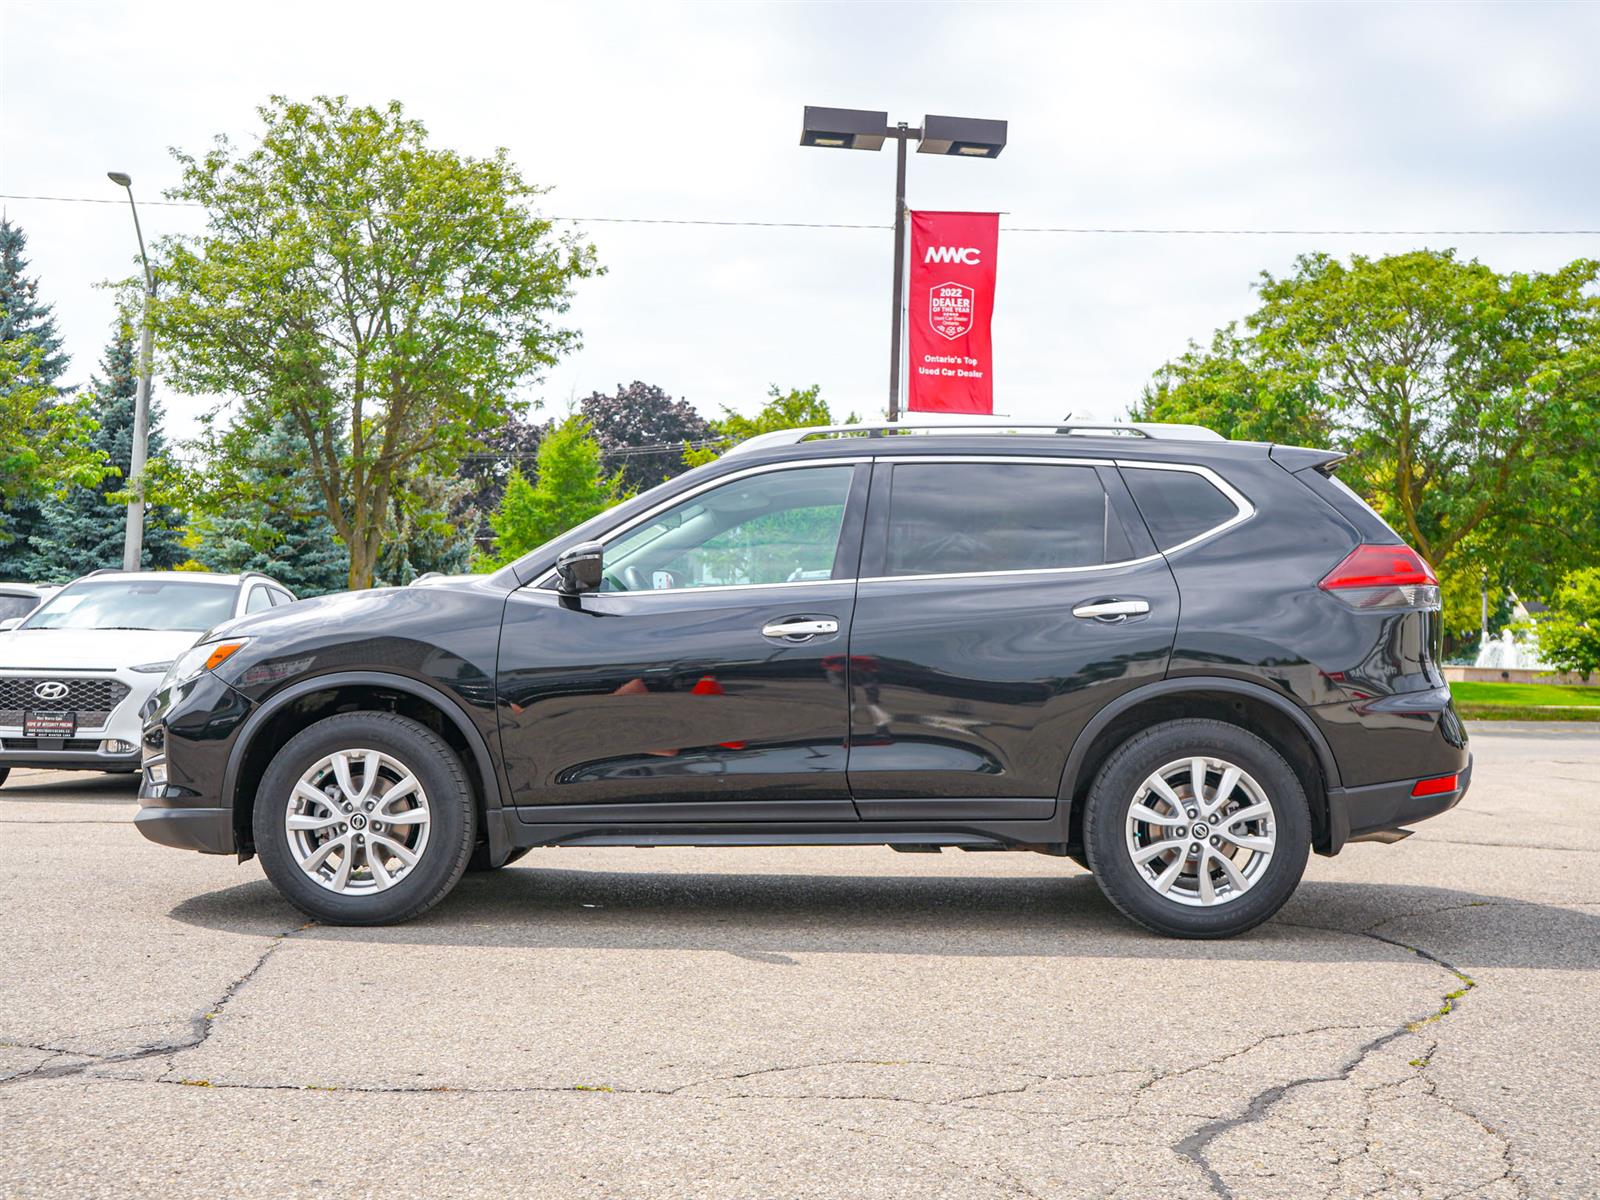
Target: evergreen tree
22, 313
29, 325
289, 537
572, 487
424, 538
84, 528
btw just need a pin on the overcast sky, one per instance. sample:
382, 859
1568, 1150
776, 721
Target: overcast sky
1240, 116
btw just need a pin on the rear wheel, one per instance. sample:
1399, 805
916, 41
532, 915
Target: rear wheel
1197, 829
364, 819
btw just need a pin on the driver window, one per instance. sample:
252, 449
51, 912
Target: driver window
781, 526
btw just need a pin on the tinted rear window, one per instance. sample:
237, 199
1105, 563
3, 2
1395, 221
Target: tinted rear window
1177, 505
949, 518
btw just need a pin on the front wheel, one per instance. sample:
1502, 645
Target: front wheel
1197, 829
364, 818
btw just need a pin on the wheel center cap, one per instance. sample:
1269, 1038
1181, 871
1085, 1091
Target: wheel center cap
357, 821
1200, 831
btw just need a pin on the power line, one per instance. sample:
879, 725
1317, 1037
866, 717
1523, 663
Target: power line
1123, 230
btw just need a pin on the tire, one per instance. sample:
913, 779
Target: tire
1278, 836
479, 862
439, 817
4, 771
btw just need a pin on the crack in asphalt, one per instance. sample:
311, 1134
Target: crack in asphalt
1193, 1147
200, 1026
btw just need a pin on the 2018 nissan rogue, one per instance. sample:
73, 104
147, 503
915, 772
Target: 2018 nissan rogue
1181, 661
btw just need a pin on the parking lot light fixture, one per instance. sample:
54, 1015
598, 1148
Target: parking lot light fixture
867, 129
969, 137
133, 539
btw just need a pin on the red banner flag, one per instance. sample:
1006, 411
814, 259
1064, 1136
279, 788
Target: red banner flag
951, 300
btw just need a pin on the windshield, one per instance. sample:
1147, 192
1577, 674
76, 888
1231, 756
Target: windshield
178, 604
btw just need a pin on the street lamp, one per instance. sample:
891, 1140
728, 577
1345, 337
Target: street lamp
862, 129
133, 539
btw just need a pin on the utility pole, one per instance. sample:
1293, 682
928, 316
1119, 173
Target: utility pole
133, 540
901, 134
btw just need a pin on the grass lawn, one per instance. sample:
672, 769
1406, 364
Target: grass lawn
1526, 702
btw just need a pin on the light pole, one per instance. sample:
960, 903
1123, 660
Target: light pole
133, 540
862, 129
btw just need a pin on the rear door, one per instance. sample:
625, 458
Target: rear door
1003, 602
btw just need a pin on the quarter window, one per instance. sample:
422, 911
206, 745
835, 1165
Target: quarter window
951, 518
777, 527
1177, 505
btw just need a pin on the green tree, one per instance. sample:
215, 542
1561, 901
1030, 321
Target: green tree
434, 533
44, 440
84, 527
1569, 632
794, 409
1468, 400
384, 295
572, 486
22, 313
271, 519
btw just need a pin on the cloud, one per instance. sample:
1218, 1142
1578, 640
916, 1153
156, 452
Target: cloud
1261, 116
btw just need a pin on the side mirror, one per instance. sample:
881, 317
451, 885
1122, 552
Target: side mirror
579, 569
10, 623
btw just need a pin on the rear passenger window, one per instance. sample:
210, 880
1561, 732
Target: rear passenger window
1177, 505
949, 518
259, 600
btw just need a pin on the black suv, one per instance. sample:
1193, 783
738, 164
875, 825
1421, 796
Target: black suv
1180, 661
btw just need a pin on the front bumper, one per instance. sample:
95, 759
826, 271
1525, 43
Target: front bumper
188, 737
208, 830
70, 760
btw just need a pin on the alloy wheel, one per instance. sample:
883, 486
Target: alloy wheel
357, 822
1201, 831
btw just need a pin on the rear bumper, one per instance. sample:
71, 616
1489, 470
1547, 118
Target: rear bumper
208, 830
1380, 806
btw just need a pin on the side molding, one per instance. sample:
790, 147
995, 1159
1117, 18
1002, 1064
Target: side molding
494, 829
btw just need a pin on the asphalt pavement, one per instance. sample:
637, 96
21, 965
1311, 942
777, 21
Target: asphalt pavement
1420, 1021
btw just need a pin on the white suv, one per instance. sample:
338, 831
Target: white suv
76, 672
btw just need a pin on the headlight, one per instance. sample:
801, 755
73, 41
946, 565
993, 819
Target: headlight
207, 656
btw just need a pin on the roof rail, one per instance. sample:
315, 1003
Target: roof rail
1142, 429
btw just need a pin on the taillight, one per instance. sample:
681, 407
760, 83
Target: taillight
1383, 577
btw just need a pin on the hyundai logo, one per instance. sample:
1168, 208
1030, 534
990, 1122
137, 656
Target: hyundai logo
51, 689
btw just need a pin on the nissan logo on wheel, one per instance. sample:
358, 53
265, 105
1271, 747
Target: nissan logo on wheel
52, 690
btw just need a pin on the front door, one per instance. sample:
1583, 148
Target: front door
705, 680
1003, 602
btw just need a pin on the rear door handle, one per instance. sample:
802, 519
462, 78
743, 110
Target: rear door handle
799, 628
1111, 610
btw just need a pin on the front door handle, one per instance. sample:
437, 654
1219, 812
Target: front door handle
1111, 610
802, 628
